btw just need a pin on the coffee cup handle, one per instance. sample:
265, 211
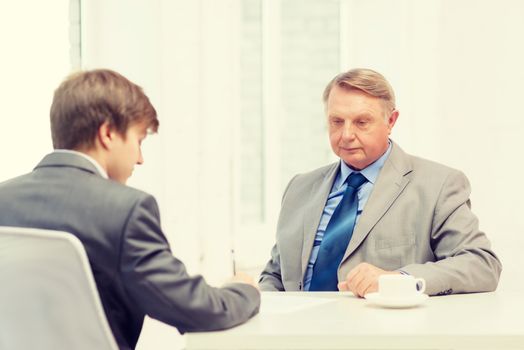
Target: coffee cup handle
421, 285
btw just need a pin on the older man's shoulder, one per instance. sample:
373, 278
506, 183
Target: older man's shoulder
430, 166
321, 172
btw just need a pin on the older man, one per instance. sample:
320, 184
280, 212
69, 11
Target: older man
378, 210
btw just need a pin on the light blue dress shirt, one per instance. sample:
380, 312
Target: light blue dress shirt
335, 196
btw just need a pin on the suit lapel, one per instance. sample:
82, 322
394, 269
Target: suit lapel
315, 204
389, 185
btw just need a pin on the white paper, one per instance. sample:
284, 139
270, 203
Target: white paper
273, 303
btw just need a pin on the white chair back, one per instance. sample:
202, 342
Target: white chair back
48, 297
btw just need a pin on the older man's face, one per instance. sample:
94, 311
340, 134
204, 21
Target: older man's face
358, 130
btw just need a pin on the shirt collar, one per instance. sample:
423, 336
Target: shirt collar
97, 165
370, 172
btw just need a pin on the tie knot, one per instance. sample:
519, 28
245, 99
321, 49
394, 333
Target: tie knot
356, 180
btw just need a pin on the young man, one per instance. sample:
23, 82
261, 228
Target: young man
98, 121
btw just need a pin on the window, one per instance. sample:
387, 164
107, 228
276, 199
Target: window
289, 51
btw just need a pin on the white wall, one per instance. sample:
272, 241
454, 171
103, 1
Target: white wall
34, 59
457, 70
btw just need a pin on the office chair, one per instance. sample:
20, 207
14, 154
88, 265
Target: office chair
48, 297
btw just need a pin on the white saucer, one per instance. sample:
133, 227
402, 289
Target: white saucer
405, 302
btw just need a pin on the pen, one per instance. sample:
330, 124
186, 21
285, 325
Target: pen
233, 261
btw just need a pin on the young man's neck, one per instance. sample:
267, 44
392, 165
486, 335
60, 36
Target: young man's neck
96, 156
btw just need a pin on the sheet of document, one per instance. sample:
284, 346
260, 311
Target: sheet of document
272, 303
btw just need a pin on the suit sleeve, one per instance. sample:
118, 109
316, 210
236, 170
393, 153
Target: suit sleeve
464, 261
159, 284
271, 277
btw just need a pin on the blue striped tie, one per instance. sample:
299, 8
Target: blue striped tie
336, 237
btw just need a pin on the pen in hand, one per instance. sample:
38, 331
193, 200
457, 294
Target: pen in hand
233, 262
239, 276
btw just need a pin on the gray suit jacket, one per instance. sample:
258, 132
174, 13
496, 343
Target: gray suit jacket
134, 269
417, 219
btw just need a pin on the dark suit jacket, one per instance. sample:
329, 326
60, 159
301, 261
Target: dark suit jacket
417, 219
134, 269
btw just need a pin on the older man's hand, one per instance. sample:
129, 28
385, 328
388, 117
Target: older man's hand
363, 279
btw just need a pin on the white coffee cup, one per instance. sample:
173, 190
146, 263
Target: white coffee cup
400, 286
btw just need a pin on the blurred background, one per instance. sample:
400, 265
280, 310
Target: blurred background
238, 85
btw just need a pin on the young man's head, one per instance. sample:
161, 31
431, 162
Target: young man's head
103, 114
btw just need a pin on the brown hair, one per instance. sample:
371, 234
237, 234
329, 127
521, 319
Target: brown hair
85, 100
367, 80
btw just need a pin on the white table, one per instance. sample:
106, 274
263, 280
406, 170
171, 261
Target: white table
341, 321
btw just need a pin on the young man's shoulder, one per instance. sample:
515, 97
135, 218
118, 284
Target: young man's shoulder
112, 191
